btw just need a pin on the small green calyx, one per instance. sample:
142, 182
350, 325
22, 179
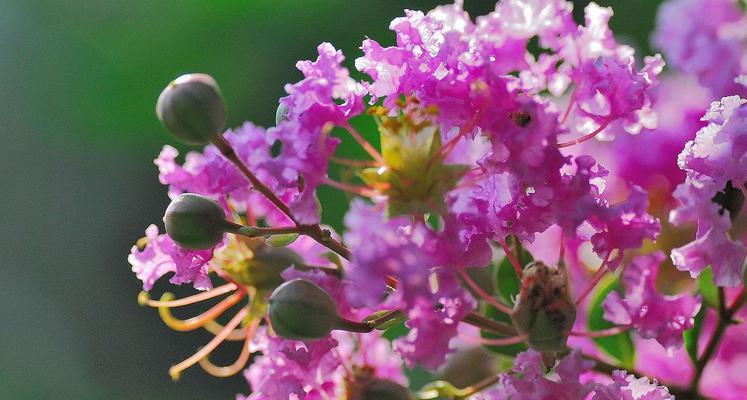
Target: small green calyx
195, 222
192, 108
301, 310
544, 313
263, 270
415, 177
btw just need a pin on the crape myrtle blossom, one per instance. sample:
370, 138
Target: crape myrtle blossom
714, 49
569, 380
477, 218
714, 192
656, 316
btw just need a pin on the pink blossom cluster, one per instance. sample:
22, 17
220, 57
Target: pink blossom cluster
534, 180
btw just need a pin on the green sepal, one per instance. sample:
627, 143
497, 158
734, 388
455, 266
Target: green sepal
282, 240
707, 289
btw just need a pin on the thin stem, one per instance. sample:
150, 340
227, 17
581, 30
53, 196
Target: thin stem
724, 319
315, 232
478, 387
359, 190
489, 325
354, 163
451, 144
595, 280
583, 138
255, 231
484, 295
144, 298
511, 257
215, 328
493, 342
365, 144
602, 333
225, 148
176, 370
571, 103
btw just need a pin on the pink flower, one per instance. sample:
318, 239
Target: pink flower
656, 316
628, 387
710, 48
713, 194
161, 256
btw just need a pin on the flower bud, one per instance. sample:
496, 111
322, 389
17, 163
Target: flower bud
299, 309
195, 222
264, 270
544, 313
380, 389
192, 108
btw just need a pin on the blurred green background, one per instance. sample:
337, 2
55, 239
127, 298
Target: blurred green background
78, 85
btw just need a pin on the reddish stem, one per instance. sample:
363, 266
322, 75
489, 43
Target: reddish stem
583, 138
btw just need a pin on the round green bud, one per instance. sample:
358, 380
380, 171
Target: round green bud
544, 312
381, 389
264, 270
192, 108
195, 222
299, 309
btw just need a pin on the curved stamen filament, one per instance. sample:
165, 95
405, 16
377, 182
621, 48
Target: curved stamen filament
602, 333
583, 138
365, 144
511, 258
177, 369
359, 190
233, 336
354, 163
238, 365
197, 321
484, 295
493, 342
595, 280
144, 299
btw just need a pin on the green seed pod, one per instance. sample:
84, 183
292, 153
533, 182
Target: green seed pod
380, 389
192, 108
195, 222
299, 309
263, 271
544, 312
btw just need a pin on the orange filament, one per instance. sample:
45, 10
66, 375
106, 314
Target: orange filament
144, 298
359, 190
485, 296
176, 370
200, 320
365, 144
215, 328
240, 363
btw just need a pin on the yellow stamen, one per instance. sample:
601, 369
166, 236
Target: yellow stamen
234, 336
176, 370
144, 298
197, 321
240, 363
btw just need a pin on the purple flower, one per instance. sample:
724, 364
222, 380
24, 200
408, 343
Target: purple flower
714, 192
433, 322
628, 387
382, 248
656, 316
161, 256
623, 226
710, 48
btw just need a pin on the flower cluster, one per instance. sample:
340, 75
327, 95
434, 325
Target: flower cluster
488, 217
